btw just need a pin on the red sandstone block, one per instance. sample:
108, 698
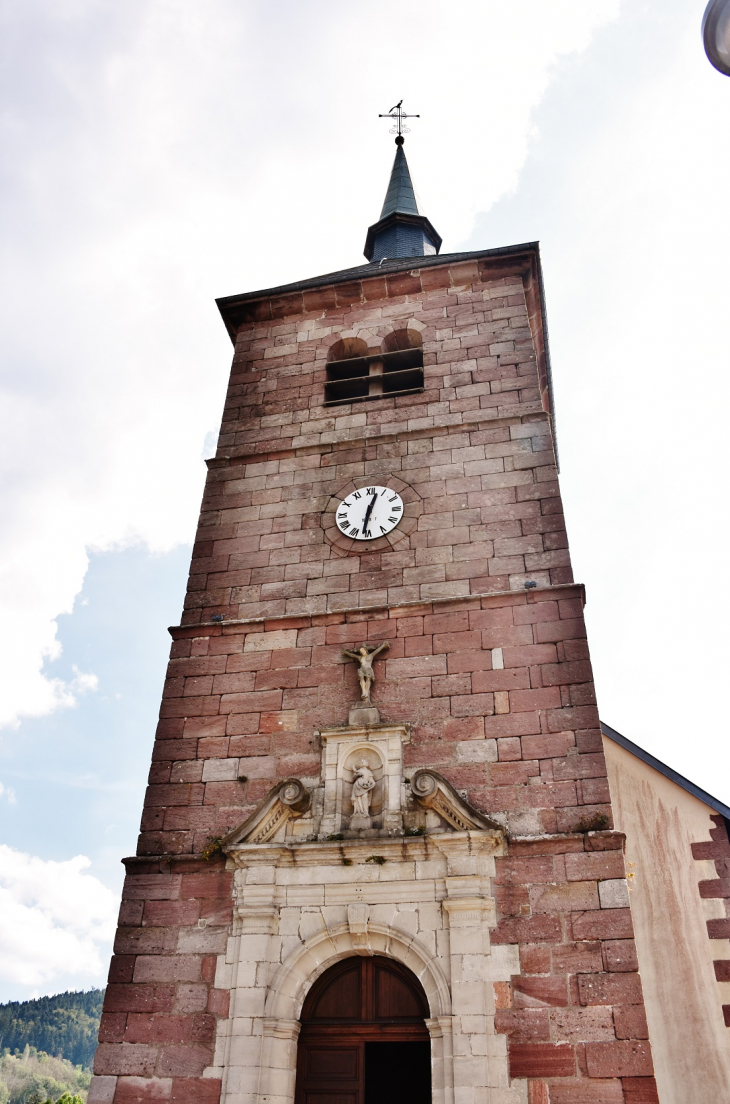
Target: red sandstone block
150, 887
630, 1022
418, 666
111, 1027
564, 674
219, 1003
167, 968
486, 681
157, 1029
714, 888
577, 958
535, 929
542, 846
193, 1090
719, 929
619, 955
564, 898
640, 1090
521, 701
146, 940
513, 774
579, 716
581, 1025
540, 992
469, 705
463, 641
257, 702
596, 864
619, 1059
529, 655
125, 1058
446, 622
179, 1060
537, 1093
603, 924
142, 1090
609, 989
525, 871
580, 766
547, 747
536, 611
594, 791
509, 749
587, 1091
509, 637
121, 969
171, 913
546, 795
711, 849
535, 959
523, 1024
464, 728
510, 724
583, 818
541, 1060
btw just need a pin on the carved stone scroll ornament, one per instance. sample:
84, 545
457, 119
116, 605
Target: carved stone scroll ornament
434, 792
286, 800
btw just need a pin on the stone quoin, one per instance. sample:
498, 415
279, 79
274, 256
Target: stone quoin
482, 866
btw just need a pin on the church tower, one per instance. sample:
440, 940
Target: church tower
376, 859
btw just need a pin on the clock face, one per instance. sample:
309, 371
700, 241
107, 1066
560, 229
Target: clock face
369, 512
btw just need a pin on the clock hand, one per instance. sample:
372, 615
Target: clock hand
369, 511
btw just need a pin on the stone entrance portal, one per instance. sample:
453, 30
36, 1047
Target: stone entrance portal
364, 1038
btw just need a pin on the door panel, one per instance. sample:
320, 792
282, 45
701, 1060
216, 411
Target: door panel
332, 1064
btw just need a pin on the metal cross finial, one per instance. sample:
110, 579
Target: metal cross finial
398, 115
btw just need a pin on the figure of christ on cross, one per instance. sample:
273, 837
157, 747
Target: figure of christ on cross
364, 657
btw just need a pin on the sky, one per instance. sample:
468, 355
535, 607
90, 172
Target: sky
160, 153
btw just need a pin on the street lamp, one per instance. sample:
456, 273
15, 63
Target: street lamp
716, 34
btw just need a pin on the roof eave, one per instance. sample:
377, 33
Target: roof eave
668, 772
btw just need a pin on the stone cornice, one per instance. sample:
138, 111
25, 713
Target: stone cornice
358, 613
343, 440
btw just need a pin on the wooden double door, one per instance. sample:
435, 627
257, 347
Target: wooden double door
363, 1037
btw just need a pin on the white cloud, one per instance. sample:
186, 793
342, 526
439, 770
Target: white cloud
55, 920
160, 154
8, 793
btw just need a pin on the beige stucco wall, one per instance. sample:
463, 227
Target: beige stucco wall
690, 1042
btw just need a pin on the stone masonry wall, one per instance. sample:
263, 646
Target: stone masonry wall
494, 678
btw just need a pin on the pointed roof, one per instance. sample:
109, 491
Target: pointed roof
400, 196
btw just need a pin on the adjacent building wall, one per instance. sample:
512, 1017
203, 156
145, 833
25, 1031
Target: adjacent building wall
683, 1000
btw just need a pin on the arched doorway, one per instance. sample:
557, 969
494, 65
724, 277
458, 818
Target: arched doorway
364, 1039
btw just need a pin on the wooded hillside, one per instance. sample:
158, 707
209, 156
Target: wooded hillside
66, 1025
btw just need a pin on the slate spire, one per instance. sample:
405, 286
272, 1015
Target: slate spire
400, 231
400, 196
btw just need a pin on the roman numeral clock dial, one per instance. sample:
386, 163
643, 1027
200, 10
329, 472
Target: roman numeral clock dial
369, 512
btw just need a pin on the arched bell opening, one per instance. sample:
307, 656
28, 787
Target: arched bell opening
364, 1038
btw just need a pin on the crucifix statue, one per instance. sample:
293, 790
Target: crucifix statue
364, 657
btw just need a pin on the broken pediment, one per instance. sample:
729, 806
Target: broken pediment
434, 793
286, 801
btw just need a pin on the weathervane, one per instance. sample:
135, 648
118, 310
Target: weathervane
398, 115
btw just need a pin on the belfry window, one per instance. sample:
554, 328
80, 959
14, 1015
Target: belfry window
355, 373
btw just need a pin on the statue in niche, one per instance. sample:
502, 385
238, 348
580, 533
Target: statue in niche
362, 789
364, 657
